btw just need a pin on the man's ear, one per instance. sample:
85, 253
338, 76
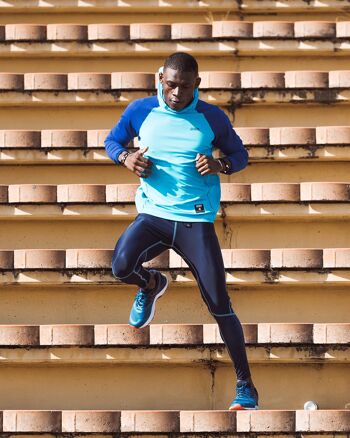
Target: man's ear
160, 76
198, 81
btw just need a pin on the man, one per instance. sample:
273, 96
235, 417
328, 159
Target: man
178, 200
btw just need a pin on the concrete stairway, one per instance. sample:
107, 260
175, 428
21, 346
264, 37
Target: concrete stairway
70, 365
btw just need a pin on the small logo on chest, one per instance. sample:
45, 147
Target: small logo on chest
193, 128
199, 208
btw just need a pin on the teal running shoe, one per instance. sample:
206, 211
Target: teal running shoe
247, 396
142, 311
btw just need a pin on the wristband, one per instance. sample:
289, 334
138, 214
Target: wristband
123, 158
226, 163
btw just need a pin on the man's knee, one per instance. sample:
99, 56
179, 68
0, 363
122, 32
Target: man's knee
121, 264
220, 307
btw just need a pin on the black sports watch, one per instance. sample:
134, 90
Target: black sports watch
225, 164
122, 157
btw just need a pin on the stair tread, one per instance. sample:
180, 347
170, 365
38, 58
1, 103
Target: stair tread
323, 420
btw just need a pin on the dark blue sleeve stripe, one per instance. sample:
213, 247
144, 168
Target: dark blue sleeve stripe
128, 126
226, 138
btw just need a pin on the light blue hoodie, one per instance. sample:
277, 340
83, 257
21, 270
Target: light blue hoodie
175, 189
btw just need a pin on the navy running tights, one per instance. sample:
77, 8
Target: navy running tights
197, 243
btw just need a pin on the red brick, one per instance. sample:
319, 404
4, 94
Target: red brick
20, 139
306, 79
319, 191
62, 138
81, 193
249, 259
253, 136
333, 134
220, 79
67, 334
91, 421
266, 421
176, 334
113, 32
3, 194
339, 79
6, 259
343, 29
28, 193
25, 32
89, 81
292, 136
323, 421
96, 137
45, 81
190, 31
19, 334
295, 333
150, 421
262, 79
273, 29
332, 333
32, 421
296, 258
39, 259
232, 29
314, 29
11, 81
67, 31
211, 334
121, 334
89, 258
234, 192
150, 31
207, 421
131, 80
336, 258
275, 192
121, 192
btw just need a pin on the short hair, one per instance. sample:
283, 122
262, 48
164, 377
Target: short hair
181, 61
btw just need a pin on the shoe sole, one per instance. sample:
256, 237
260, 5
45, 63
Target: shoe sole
159, 294
242, 408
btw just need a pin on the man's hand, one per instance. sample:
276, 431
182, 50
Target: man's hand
138, 164
206, 165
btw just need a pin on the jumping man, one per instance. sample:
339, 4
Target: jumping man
178, 200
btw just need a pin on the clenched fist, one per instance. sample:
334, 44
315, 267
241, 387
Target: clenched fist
138, 164
206, 165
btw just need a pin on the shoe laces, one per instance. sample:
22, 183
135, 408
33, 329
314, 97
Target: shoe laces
244, 390
141, 298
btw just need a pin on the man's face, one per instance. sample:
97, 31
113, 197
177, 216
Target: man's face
178, 87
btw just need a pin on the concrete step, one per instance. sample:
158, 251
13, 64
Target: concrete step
232, 232
204, 386
266, 81
288, 144
34, 297
237, 259
264, 201
243, 266
139, 7
247, 38
90, 335
325, 422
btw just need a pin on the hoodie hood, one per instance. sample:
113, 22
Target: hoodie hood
160, 94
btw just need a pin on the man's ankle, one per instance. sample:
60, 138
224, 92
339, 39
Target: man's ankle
152, 281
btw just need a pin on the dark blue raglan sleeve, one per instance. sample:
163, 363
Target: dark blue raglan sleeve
128, 126
121, 134
227, 140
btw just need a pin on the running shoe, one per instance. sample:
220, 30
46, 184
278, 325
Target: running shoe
247, 397
142, 311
